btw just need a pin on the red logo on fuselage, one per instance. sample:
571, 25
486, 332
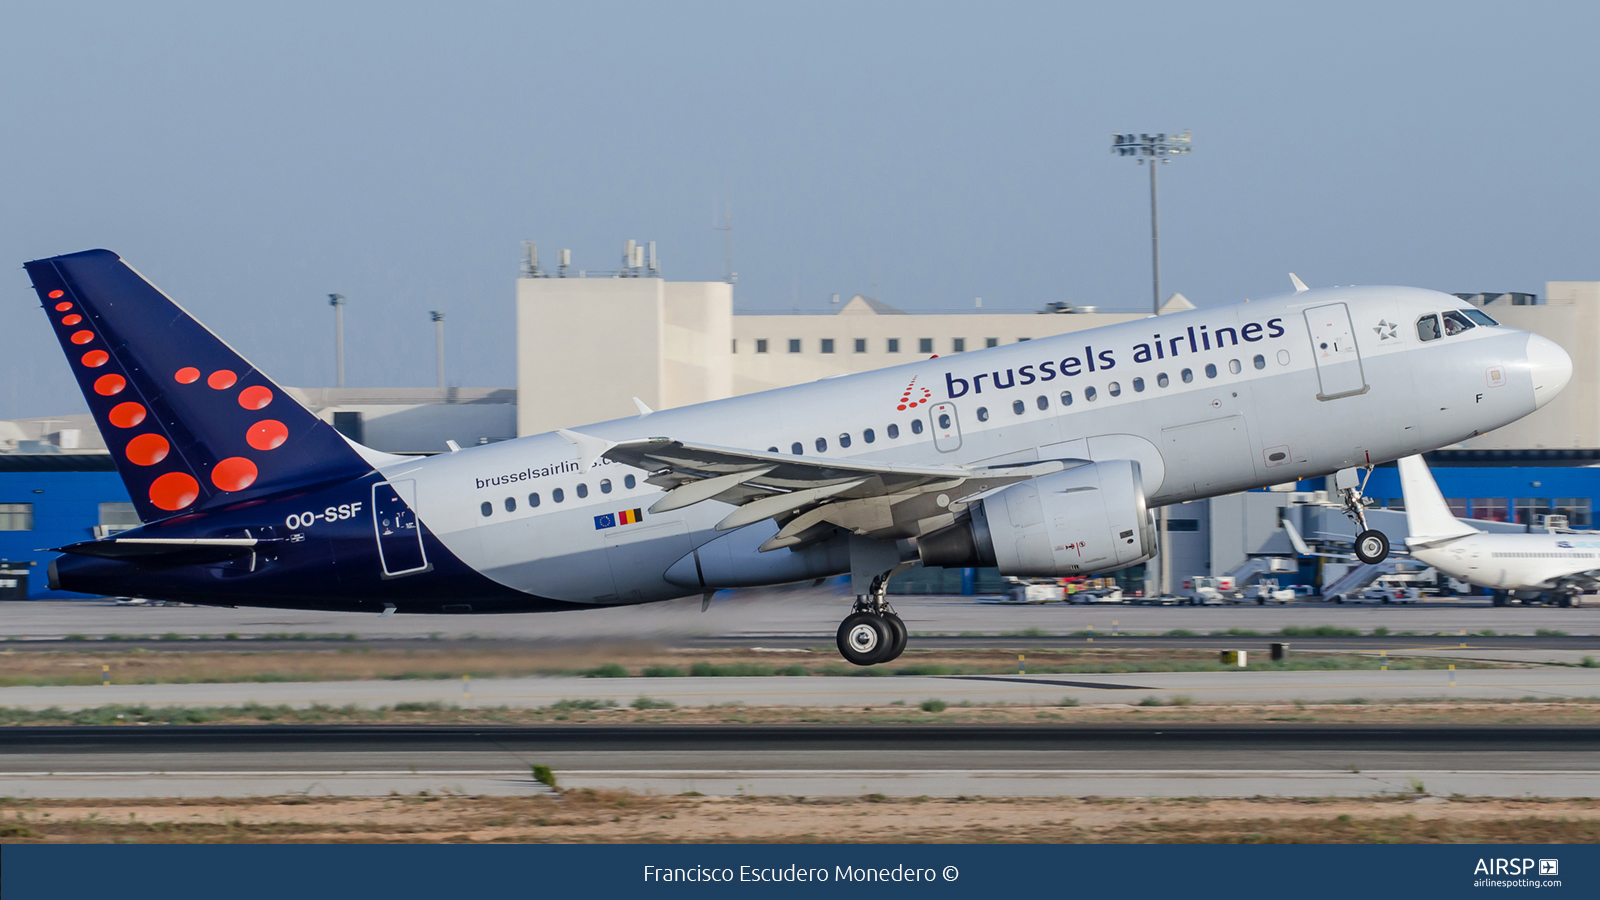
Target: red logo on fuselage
906, 396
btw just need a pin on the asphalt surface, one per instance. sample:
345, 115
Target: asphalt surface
1238, 686
932, 759
808, 613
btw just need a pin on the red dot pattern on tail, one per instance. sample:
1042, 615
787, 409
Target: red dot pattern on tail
147, 450
174, 491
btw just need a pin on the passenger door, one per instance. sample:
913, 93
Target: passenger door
1333, 346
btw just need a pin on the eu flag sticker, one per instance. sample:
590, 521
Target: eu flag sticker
609, 520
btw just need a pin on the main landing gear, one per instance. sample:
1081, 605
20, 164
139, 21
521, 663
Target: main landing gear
1372, 545
872, 633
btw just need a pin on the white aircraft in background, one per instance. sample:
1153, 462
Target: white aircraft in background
1563, 564
1040, 458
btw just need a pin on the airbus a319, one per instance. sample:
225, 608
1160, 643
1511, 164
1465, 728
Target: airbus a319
1041, 458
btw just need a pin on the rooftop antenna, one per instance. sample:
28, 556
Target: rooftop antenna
628, 254
530, 260
728, 274
438, 339
563, 260
337, 302
655, 267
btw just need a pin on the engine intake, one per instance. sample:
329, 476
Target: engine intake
1088, 519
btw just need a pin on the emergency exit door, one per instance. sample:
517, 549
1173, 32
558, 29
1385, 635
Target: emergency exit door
394, 518
1333, 346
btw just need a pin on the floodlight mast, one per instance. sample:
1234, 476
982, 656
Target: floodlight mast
1155, 148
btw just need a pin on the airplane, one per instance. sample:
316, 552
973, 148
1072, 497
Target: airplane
1041, 458
1563, 564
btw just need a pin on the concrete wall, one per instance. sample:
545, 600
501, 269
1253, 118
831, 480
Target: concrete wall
587, 346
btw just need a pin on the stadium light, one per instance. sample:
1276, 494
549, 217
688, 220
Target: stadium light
1153, 148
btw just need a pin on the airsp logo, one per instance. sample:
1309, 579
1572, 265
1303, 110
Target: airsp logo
1387, 330
1549, 867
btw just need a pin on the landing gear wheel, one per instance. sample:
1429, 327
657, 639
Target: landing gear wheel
1372, 546
864, 638
898, 634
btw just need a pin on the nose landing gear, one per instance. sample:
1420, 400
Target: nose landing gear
1372, 545
872, 633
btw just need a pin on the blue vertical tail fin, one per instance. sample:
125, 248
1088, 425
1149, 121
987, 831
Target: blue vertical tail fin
190, 423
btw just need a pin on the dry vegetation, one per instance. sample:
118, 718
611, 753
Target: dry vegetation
357, 661
648, 711
587, 816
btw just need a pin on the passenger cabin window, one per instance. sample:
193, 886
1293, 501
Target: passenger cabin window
1042, 402
822, 445
1187, 375
629, 481
1455, 323
1138, 385
894, 431
844, 441
1066, 398
1479, 316
605, 485
1114, 389
1211, 370
487, 508
1088, 394
1162, 380
1428, 328
868, 435
583, 490
772, 449
1260, 361
558, 495
533, 500
916, 426
944, 421
796, 449
511, 504
983, 414
1017, 407
1234, 367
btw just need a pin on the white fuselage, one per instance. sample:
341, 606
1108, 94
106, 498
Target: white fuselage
1226, 399
1514, 562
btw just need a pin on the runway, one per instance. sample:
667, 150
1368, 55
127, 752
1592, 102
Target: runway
861, 690
809, 613
931, 760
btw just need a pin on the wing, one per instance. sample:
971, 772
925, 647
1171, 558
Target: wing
809, 496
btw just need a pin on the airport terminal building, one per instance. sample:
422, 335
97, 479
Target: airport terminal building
673, 344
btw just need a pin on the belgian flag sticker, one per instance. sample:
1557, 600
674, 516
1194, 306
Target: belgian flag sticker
624, 517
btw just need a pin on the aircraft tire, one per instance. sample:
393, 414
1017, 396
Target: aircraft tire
901, 636
864, 639
1372, 546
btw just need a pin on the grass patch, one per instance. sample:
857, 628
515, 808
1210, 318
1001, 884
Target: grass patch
580, 705
934, 706
608, 670
643, 702
1068, 701
662, 672
1180, 632
419, 706
1034, 632
1319, 631
705, 669
1550, 632
1237, 632
1380, 631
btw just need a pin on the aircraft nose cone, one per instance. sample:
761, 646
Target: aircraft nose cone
1550, 367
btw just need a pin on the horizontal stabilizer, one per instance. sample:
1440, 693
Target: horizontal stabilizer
167, 550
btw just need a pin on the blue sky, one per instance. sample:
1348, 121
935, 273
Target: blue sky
252, 159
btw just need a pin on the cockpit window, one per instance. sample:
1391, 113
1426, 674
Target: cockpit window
1479, 316
1428, 328
1455, 322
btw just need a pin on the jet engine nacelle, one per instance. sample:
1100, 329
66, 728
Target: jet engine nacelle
1088, 519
